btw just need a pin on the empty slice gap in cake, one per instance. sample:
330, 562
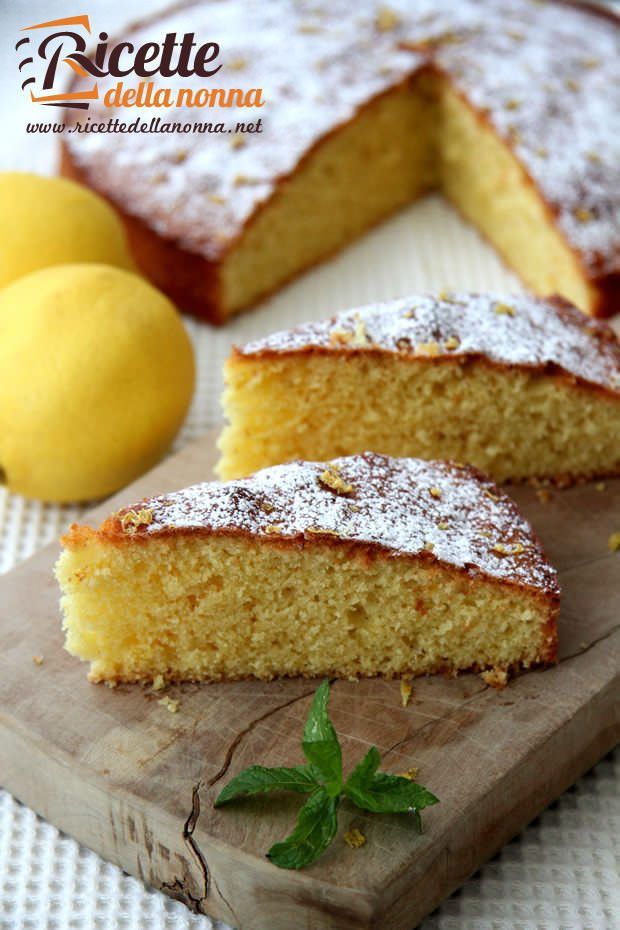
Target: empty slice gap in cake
362, 566
519, 386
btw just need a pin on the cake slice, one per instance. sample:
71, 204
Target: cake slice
367, 565
518, 386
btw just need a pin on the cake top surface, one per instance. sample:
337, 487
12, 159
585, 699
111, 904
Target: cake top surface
542, 75
516, 330
446, 511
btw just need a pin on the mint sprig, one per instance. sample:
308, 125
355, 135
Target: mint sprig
317, 822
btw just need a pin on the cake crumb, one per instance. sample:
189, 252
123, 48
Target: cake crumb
38, 660
133, 519
170, 704
513, 104
387, 19
411, 774
429, 546
614, 542
544, 495
600, 486
435, 492
443, 525
331, 479
237, 142
158, 683
111, 684
495, 677
452, 343
406, 690
237, 64
493, 497
355, 839
217, 198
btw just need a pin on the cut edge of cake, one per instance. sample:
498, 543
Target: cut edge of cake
204, 279
523, 387
452, 539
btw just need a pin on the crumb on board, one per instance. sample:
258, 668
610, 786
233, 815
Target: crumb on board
495, 677
158, 683
600, 486
614, 542
38, 660
544, 495
355, 838
170, 704
111, 684
406, 691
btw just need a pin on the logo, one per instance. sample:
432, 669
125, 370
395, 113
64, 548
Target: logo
56, 51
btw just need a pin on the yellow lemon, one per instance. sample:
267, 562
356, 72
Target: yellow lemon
97, 373
50, 221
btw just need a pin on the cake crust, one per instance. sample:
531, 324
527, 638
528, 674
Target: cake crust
435, 511
498, 63
548, 336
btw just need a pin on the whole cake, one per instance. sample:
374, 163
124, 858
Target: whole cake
519, 387
362, 566
507, 108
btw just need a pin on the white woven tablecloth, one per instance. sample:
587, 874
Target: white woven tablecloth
563, 871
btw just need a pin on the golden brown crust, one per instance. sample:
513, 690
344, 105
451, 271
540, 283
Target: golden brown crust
553, 339
395, 509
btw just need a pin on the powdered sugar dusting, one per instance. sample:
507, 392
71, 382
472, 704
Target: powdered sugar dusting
544, 74
516, 330
406, 507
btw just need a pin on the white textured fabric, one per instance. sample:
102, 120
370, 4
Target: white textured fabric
563, 872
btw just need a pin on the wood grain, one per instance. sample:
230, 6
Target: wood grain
136, 783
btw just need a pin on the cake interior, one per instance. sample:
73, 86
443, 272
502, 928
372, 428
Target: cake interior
312, 406
417, 137
212, 607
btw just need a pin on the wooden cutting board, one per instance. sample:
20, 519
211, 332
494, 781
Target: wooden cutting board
134, 782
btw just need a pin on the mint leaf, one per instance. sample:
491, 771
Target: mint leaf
257, 780
320, 743
316, 827
362, 774
317, 822
388, 794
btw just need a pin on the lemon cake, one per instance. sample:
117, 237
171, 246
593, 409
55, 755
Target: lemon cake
506, 108
518, 386
365, 565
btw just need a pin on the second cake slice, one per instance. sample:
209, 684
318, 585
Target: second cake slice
517, 386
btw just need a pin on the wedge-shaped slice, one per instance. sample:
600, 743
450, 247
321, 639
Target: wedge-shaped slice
517, 386
363, 566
